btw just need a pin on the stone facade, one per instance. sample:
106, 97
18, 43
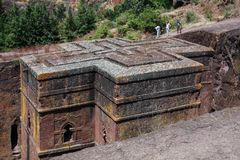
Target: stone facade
10, 100
97, 92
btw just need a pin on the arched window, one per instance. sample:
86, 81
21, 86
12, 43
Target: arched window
68, 133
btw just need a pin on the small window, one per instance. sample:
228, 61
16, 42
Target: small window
68, 133
29, 120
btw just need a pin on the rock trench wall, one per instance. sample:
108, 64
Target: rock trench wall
9, 105
224, 38
227, 71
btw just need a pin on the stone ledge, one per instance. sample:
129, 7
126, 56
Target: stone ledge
149, 114
52, 152
152, 95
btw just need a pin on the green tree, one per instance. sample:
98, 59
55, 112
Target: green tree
39, 25
1, 8
162, 3
85, 18
138, 6
2, 36
145, 21
128, 4
1, 17
142, 4
12, 27
68, 28
59, 11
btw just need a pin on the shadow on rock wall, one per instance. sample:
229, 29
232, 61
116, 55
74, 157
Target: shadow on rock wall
226, 69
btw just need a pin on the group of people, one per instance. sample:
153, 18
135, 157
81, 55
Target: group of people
168, 27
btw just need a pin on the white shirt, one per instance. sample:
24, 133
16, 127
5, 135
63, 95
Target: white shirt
168, 26
158, 28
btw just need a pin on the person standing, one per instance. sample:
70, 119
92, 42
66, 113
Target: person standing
168, 26
179, 26
158, 29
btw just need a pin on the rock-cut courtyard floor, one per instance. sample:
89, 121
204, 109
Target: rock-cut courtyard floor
214, 136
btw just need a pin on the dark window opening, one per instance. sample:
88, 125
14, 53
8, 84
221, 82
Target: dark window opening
14, 135
68, 133
29, 120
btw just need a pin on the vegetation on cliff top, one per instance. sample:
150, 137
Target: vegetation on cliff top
42, 22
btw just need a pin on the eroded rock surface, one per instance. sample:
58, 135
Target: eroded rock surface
224, 38
209, 137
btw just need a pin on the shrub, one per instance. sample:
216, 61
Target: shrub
146, 21
109, 14
110, 24
122, 19
118, 9
102, 31
133, 24
143, 4
127, 5
138, 6
133, 35
162, 3
164, 19
191, 17
122, 31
